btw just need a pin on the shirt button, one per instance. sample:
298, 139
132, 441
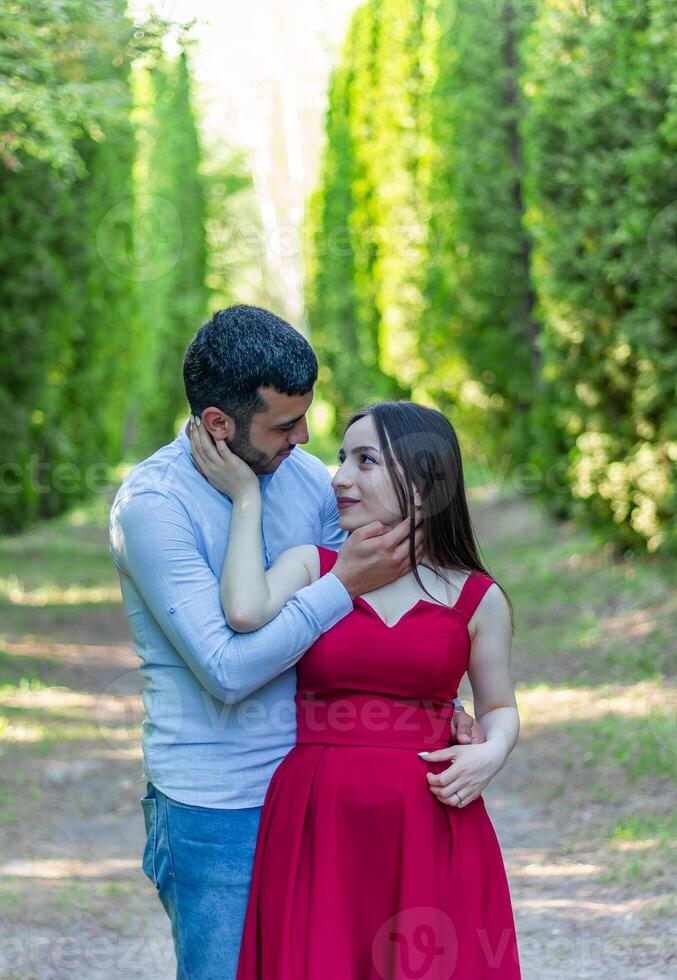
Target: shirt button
172, 609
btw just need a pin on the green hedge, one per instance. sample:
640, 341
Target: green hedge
506, 175
601, 141
94, 318
65, 162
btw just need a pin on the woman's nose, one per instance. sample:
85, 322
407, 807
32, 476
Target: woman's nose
340, 481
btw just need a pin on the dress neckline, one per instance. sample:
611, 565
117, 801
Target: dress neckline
411, 609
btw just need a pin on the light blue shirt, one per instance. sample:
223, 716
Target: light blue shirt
219, 705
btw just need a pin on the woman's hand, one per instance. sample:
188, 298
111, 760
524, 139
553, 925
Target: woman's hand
224, 470
472, 768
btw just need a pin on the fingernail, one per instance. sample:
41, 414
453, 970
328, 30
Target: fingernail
424, 753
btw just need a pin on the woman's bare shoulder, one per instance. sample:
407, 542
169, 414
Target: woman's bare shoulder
492, 612
306, 554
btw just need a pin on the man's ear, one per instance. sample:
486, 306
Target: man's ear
218, 424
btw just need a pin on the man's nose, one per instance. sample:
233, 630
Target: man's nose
300, 436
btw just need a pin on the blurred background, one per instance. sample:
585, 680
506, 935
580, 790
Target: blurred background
469, 203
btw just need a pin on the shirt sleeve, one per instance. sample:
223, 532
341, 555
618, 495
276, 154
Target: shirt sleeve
332, 535
153, 541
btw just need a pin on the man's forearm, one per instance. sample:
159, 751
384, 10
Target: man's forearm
244, 662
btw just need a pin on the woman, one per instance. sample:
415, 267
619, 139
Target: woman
375, 859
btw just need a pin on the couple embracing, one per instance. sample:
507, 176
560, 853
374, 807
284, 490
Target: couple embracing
314, 803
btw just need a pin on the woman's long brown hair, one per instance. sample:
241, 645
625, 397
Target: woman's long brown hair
424, 443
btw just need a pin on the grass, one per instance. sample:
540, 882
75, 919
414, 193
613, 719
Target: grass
582, 616
640, 851
56, 581
57, 572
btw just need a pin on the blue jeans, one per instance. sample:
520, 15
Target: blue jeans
200, 860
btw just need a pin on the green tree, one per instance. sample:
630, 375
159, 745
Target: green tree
601, 138
171, 231
65, 160
479, 336
339, 286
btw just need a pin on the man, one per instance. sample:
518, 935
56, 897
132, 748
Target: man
219, 704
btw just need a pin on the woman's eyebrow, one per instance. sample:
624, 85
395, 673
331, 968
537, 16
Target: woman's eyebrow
359, 449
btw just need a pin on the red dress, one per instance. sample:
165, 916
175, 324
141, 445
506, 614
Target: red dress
360, 873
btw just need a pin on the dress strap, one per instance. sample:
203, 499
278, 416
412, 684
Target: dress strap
472, 592
327, 559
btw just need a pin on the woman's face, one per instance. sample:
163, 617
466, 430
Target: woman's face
362, 483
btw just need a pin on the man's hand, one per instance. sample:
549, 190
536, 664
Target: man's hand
374, 555
465, 730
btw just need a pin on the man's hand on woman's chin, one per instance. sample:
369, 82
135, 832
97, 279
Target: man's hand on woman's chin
465, 730
375, 555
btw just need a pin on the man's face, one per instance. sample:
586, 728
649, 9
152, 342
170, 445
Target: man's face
274, 432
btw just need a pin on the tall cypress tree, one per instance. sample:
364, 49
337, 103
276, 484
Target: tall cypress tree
171, 234
99, 372
602, 137
480, 336
61, 309
340, 285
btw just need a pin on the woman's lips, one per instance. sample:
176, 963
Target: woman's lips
342, 504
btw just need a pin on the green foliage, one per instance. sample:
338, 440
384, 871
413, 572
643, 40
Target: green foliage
601, 140
63, 318
503, 175
479, 336
171, 229
236, 269
47, 98
100, 288
340, 308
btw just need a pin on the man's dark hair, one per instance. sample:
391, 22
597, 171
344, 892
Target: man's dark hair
240, 350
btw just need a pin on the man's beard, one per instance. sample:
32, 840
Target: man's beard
242, 447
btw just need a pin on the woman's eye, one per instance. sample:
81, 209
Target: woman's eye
364, 456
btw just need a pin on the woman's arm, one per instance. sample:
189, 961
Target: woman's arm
474, 766
250, 595
489, 674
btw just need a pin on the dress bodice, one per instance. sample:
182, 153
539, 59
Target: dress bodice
422, 656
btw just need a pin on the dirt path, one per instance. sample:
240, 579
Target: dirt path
74, 902
570, 926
